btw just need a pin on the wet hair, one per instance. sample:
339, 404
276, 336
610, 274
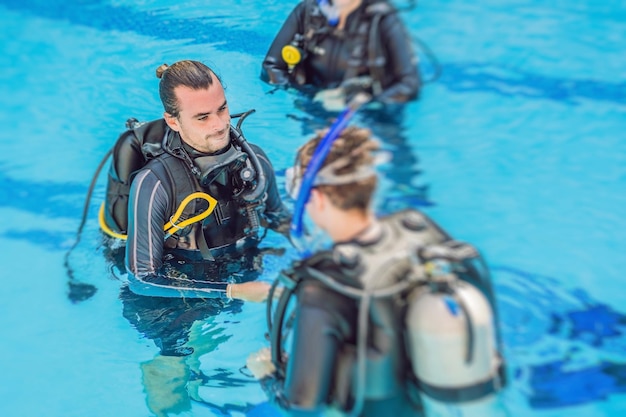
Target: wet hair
192, 74
355, 144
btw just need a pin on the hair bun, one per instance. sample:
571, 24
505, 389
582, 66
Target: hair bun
161, 69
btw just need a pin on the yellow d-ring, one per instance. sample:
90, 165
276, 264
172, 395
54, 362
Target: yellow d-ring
169, 226
172, 223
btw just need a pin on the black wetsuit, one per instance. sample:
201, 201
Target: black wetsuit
323, 354
396, 63
162, 301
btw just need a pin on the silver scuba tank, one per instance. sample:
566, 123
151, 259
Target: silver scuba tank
451, 340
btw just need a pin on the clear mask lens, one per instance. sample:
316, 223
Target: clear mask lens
293, 180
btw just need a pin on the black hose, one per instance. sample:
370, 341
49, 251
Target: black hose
270, 304
261, 187
276, 330
86, 290
433, 60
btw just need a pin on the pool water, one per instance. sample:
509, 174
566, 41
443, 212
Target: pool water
516, 146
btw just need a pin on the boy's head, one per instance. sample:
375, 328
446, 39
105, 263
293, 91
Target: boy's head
347, 175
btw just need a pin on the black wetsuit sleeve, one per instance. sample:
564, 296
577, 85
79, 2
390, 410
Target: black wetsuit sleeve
401, 62
274, 69
148, 211
320, 329
276, 213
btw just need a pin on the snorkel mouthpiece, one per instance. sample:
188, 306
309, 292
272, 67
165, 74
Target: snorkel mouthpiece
319, 155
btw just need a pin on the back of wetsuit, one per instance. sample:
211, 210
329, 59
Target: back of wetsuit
383, 270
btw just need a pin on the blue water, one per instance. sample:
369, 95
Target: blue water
517, 147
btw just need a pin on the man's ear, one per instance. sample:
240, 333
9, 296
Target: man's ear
171, 121
318, 199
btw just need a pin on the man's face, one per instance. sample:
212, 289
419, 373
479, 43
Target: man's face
203, 120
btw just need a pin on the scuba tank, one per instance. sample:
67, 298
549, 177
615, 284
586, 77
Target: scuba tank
451, 336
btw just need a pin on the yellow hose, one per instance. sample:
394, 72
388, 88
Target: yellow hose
169, 226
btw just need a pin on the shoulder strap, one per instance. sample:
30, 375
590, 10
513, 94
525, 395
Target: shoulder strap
369, 31
182, 183
315, 27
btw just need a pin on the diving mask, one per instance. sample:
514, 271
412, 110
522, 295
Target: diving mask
216, 167
326, 176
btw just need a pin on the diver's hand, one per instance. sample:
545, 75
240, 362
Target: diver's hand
260, 363
333, 99
250, 291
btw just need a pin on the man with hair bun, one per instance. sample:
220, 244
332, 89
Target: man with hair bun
190, 199
192, 149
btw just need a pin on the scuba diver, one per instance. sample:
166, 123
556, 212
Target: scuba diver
330, 50
344, 47
188, 201
396, 318
196, 174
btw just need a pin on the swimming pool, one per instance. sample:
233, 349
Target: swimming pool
517, 147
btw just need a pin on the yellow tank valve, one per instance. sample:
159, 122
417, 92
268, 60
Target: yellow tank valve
292, 55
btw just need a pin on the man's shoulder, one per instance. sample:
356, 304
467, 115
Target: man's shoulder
389, 17
303, 5
326, 262
259, 152
159, 169
256, 148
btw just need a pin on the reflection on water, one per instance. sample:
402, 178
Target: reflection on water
567, 348
184, 332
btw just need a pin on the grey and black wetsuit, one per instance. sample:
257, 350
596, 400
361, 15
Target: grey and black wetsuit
331, 56
157, 191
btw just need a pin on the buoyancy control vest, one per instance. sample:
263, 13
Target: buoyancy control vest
131, 152
366, 64
154, 144
424, 298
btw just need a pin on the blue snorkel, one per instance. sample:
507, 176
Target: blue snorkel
319, 155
